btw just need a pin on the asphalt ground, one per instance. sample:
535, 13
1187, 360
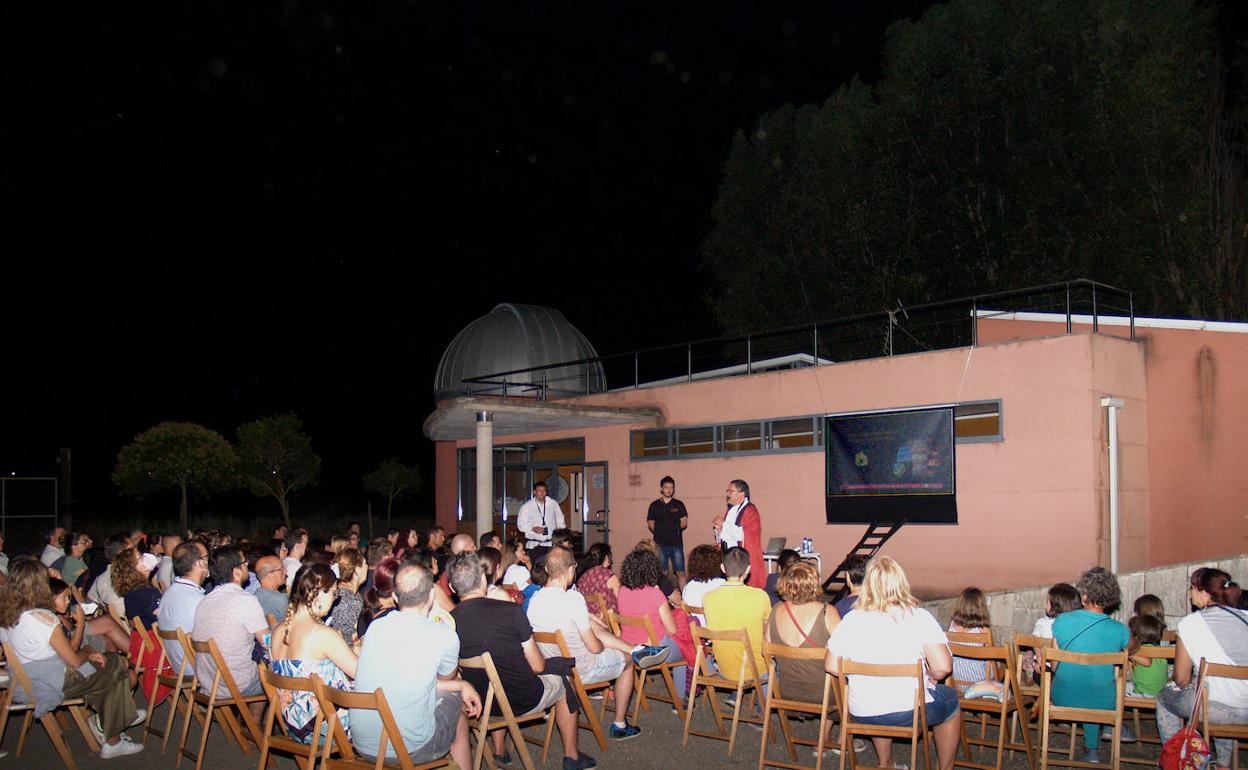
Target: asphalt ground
658, 746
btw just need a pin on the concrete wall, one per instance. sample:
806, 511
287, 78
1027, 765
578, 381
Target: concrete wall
1016, 611
1031, 508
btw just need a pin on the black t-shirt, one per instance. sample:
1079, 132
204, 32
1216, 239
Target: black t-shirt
666, 518
499, 628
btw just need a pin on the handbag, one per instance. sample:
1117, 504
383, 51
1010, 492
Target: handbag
1187, 749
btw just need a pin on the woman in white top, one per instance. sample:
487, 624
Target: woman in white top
705, 575
887, 626
57, 671
1218, 633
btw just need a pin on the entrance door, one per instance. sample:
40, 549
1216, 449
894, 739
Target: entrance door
594, 508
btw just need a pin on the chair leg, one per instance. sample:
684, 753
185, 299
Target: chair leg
550, 731
518, 738
21, 737
203, 735
736, 718
671, 690
762, 749
80, 719
784, 730
58, 740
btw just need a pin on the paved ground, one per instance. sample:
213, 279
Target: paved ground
658, 747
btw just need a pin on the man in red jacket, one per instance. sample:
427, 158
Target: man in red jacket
744, 527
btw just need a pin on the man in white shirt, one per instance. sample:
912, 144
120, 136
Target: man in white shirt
538, 518
233, 619
296, 547
164, 574
53, 550
178, 605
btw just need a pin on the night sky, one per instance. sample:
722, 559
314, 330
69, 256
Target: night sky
219, 211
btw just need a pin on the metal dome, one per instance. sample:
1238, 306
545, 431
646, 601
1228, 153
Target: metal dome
515, 337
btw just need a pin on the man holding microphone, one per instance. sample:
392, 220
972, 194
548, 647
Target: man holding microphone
538, 517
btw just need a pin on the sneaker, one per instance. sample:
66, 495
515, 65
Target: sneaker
121, 748
596, 695
860, 745
622, 733
1128, 735
98, 730
583, 762
139, 716
502, 759
648, 657
1091, 755
730, 702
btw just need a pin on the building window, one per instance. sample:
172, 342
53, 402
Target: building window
794, 434
742, 437
977, 422
695, 441
650, 443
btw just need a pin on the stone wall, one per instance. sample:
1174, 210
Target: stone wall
1015, 611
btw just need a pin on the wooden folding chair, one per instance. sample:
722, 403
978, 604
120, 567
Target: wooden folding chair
597, 603
1074, 715
182, 682
136, 656
1235, 733
303, 753
592, 722
1028, 692
1146, 704
775, 701
485, 722
748, 679
1000, 666
222, 708
916, 733
663, 669
1169, 636
8, 705
336, 740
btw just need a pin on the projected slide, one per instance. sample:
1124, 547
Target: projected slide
891, 466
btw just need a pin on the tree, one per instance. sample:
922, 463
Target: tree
181, 455
1006, 144
276, 458
392, 479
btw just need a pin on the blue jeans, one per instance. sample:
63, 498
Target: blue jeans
675, 554
943, 705
674, 654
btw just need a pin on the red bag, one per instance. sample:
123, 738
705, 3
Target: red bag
1187, 749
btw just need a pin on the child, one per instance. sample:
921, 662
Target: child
1150, 604
1062, 598
537, 581
1148, 675
970, 615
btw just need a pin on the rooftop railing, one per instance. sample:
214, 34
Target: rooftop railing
906, 329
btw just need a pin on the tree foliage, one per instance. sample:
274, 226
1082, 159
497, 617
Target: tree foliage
1006, 144
276, 458
392, 479
178, 455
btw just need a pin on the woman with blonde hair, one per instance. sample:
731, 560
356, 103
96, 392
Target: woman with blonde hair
888, 626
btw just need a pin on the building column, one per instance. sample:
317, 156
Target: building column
485, 472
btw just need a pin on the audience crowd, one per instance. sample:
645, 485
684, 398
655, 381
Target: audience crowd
398, 614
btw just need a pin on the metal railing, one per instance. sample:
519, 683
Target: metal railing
906, 329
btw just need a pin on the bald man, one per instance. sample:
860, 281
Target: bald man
272, 577
460, 544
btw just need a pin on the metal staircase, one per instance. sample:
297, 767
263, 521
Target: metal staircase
869, 545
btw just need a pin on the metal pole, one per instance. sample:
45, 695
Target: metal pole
636, 371
1113, 404
1096, 324
4, 508
815, 329
749, 355
485, 472
689, 361
1068, 327
543, 384
974, 322
890, 333
1131, 310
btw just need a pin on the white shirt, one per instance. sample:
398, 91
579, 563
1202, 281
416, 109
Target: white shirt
696, 589
1218, 635
732, 533
1043, 627
875, 637
546, 514
102, 592
517, 575
292, 567
150, 561
50, 554
553, 609
32, 636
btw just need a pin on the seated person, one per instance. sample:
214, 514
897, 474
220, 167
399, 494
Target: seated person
888, 626
427, 699
302, 645
233, 618
600, 655
705, 574
787, 556
733, 606
1090, 629
597, 577
640, 596
501, 629
970, 615
855, 569
272, 576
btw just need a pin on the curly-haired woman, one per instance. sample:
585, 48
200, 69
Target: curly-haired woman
1090, 629
59, 672
303, 645
640, 596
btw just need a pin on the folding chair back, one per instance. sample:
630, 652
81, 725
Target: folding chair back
337, 741
597, 603
653, 638
1050, 712
592, 722
1000, 663
227, 709
916, 732
1235, 733
1021, 645
485, 722
8, 704
748, 678
776, 701
182, 683
304, 753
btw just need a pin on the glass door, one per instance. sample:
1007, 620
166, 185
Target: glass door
594, 509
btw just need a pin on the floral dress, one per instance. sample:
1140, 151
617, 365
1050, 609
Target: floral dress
594, 581
299, 708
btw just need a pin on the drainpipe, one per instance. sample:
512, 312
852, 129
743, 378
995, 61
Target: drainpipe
1113, 405
485, 472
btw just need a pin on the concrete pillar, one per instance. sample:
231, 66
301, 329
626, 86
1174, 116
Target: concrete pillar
485, 472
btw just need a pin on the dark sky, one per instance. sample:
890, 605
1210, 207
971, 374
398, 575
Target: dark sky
223, 210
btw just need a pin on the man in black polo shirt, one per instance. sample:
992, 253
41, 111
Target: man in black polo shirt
667, 519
